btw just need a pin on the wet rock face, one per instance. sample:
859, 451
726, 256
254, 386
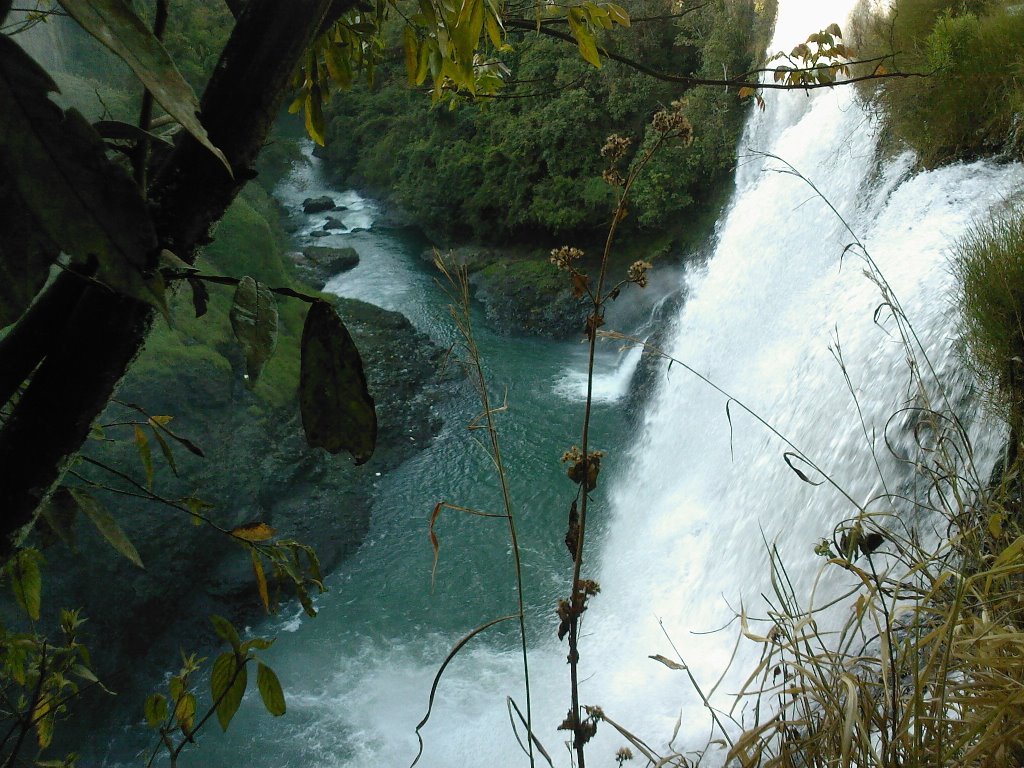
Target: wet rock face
257, 467
652, 365
318, 204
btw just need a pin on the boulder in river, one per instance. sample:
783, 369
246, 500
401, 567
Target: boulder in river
333, 223
318, 204
321, 263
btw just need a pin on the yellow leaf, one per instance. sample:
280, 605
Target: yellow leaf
746, 92
261, 580
494, 30
618, 14
995, 524
43, 719
254, 532
410, 44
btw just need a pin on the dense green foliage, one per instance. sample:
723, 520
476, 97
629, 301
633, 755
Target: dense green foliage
525, 165
248, 241
989, 265
968, 106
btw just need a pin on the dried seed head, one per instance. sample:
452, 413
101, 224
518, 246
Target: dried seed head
615, 147
673, 123
612, 177
638, 273
564, 257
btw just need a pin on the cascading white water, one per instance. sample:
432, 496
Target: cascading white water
686, 543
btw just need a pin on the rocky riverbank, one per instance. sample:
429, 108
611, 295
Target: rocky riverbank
256, 465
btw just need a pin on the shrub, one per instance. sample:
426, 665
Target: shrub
967, 106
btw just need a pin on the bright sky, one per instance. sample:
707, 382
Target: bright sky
799, 18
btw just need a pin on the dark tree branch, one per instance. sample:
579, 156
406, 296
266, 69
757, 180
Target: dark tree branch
747, 80
28, 342
188, 195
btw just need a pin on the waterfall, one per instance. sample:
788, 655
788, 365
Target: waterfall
706, 491
681, 545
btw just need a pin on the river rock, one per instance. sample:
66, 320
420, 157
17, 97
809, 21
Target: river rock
321, 263
333, 223
529, 296
318, 204
652, 365
319, 233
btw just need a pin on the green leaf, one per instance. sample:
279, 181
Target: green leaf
270, 690
337, 409
106, 525
254, 321
119, 131
584, 37
27, 581
185, 711
226, 631
113, 23
259, 643
165, 449
227, 684
197, 507
86, 204
618, 14
58, 513
155, 709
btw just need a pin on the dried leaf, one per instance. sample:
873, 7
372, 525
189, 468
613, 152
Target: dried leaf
434, 543
579, 285
337, 409
254, 532
667, 662
116, 26
789, 457
261, 580
572, 533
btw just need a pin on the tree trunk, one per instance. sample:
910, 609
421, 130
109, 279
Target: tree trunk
189, 193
